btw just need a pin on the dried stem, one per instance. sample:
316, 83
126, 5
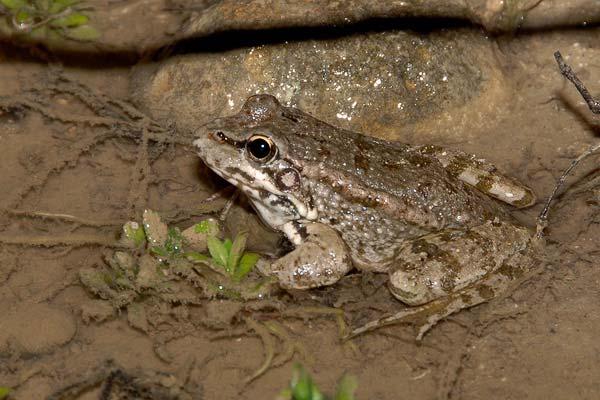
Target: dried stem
594, 106
568, 73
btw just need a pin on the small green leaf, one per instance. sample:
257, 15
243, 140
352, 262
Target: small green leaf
13, 4
201, 227
134, 232
236, 251
346, 388
303, 387
23, 17
4, 391
228, 243
247, 262
217, 251
82, 33
159, 251
196, 257
70, 21
207, 226
174, 242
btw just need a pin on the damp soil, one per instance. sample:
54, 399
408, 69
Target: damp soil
79, 160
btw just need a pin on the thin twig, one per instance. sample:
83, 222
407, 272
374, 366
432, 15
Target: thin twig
594, 106
58, 241
568, 73
64, 217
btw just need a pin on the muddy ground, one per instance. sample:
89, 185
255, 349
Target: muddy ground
68, 150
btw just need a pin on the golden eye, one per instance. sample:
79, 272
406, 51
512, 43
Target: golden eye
261, 148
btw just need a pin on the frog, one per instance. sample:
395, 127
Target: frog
434, 219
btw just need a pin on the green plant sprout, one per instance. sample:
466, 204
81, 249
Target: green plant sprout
4, 392
302, 387
173, 246
228, 256
225, 256
54, 19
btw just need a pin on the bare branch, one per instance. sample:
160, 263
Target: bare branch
568, 73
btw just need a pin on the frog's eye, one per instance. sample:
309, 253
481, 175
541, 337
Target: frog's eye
261, 148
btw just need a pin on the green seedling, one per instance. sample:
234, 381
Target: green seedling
207, 227
302, 387
231, 257
134, 233
48, 18
225, 256
173, 246
4, 392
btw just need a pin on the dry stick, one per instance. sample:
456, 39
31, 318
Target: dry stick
139, 180
65, 218
58, 241
594, 106
568, 73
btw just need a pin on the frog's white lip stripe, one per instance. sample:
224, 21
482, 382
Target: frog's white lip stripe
261, 181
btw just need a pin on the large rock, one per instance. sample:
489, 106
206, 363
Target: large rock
383, 84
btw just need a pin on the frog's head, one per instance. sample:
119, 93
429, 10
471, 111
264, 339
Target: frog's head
250, 150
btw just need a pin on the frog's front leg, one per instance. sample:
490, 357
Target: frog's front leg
320, 258
447, 271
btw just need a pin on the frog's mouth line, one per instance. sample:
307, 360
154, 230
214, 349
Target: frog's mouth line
266, 195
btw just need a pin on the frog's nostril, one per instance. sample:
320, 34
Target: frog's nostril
219, 136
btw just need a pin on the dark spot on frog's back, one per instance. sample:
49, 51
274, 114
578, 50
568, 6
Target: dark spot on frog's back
361, 161
485, 292
323, 152
417, 159
484, 183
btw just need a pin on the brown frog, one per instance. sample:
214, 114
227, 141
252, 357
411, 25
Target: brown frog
418, 213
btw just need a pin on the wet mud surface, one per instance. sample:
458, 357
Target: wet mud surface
80, 159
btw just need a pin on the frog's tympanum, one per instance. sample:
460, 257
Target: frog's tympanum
421, 214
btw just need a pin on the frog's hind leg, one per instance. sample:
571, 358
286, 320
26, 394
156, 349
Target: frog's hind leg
441, 273
427, 315
483, 175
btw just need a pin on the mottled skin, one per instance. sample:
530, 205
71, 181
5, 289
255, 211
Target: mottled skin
418, 213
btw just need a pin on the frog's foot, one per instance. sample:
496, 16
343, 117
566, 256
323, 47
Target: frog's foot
266, 332
483, 175
445, 272
321, 258
427, 315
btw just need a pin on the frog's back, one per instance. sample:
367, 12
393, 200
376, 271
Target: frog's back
400, 182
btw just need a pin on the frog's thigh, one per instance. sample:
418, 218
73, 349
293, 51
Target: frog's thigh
484, 176
321, 259
447, 262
